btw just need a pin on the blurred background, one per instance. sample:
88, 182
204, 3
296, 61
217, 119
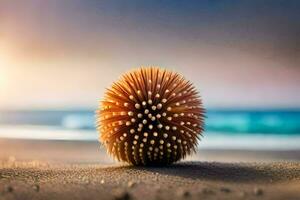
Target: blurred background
57, 57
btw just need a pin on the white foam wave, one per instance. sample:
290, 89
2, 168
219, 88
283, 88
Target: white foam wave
209, 141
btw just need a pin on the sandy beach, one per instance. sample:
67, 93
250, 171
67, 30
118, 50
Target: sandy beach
78, 170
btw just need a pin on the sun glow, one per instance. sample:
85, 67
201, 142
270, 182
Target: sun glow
2, 73
4, 66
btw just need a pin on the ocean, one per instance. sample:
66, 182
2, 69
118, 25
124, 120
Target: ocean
230, 129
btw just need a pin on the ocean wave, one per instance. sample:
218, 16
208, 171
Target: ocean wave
210, 140
221, 122
233, 122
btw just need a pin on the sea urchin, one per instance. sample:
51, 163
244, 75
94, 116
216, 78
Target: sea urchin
150, 116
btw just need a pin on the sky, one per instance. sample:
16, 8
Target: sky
63, 54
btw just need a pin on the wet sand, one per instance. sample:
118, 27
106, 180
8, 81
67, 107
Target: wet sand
68, 170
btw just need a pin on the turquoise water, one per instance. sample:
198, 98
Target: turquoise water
286, 122
224, 129
266, 122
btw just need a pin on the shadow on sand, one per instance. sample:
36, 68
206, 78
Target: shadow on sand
228, 172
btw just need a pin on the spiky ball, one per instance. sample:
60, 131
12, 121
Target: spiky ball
150, 117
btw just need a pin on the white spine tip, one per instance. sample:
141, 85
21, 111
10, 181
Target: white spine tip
128, 123
159, 106
130, 113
